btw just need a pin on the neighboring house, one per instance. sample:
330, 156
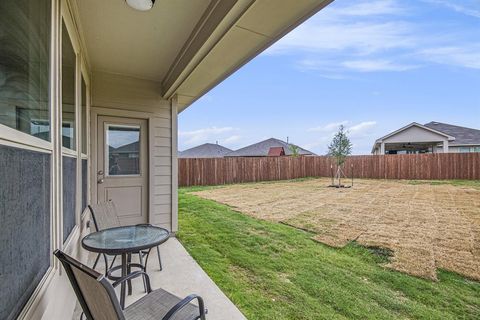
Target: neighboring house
124, 159
269, 147
432, 137
206, 150
77, 75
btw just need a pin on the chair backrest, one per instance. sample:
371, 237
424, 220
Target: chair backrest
104, 215
95, 294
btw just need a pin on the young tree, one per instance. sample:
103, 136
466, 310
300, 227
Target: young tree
340, 148
294, 149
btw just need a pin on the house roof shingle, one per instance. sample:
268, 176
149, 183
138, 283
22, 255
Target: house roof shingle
462, 135
206, 150
262, 148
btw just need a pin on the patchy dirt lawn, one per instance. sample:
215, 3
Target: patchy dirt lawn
426, 226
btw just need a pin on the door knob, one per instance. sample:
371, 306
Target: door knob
100, 172
100, 181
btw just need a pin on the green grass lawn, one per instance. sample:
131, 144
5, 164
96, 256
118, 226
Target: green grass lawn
272, 271
461, 183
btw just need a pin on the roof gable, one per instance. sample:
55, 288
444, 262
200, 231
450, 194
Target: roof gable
414, 124
276, 152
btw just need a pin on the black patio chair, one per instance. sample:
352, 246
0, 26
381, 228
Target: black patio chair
99, 302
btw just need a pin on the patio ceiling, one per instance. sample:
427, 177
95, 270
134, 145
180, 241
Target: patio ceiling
187, 46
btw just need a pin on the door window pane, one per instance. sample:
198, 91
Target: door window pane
24, 66
123, 145
68, 91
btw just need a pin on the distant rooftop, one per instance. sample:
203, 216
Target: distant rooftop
462, 135
206, 150
262, 148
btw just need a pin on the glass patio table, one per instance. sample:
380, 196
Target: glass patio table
124, 241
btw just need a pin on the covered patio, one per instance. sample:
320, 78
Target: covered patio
181, 275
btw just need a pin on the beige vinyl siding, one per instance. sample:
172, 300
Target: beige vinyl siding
141, 98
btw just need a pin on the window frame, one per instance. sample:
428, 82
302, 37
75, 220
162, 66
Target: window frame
84, 156
106, 161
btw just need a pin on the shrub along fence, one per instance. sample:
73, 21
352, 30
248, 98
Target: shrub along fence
218, 171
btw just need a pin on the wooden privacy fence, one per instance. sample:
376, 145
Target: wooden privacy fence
218, 171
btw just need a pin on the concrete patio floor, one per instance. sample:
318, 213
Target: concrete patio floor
181, 275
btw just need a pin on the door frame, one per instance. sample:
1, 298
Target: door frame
95, 112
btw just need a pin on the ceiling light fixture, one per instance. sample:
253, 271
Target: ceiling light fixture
141, 5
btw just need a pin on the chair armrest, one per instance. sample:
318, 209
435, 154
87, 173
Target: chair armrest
185, 302
133, 275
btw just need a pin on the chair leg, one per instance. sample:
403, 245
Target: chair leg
129, 270
96, 261
140, 257
159, 258
146, 257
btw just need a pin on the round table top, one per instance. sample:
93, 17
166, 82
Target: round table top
128, 239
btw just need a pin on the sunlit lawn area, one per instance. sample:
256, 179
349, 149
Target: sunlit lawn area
273, 271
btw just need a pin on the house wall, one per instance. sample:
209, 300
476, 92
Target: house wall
415, 134
116, 95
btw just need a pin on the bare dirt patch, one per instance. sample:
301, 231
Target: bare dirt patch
426, 226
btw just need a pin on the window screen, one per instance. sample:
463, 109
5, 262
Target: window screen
84, 184
24, 226
69, 194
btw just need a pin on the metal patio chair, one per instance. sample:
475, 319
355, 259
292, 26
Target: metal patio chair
105, 216
99, 302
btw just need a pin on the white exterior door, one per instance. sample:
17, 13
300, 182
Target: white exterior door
122, 167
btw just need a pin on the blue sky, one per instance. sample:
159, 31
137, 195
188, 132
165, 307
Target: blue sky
373, 66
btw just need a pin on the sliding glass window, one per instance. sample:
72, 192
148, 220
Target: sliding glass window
68, 91
83, 136
25, 191
24, 66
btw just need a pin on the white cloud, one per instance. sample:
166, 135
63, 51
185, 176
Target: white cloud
376, 65
467, 56
361, 128
361, 134
320, 35
232, 139
353, 37
333, 126
369, 8
355, 129
203, 135
468, 7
